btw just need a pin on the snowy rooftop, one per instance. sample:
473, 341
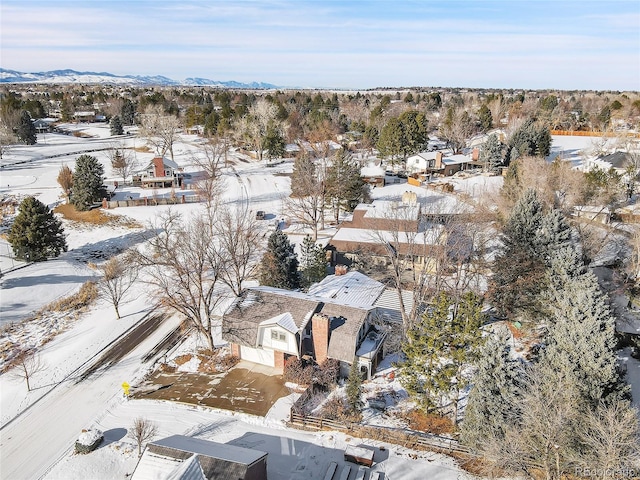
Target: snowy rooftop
389, 209
285, 321
221, 451
432, 236
353, 287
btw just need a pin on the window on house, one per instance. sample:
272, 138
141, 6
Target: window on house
280, 336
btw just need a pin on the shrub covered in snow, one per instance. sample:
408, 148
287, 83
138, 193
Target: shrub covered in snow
88, 441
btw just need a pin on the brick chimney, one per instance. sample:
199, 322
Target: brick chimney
320, 332
475, 154
438, 160
341, 270
158, 167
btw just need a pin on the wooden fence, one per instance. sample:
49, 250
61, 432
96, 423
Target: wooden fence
405, 437
572, 133
151, 201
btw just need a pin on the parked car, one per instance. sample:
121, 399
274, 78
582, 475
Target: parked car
260, 215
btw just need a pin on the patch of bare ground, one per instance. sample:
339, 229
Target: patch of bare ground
95, 217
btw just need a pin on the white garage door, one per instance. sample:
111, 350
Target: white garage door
256, 355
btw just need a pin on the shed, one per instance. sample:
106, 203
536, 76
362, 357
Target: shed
181, 457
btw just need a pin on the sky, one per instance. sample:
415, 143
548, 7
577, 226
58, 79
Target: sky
349, 44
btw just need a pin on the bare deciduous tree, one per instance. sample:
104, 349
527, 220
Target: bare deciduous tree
307, 198
123, 162
161, 130
65, 180
609, 437
118, 276
184, 269
255, 126
142, 431
211, 159
26, 366
237, 236
7, 138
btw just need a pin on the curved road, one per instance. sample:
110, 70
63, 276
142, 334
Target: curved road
33, 442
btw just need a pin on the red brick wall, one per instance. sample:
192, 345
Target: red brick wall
235, 349
158, 166
320, 333
278, 360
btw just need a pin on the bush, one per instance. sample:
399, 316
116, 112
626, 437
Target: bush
88, 441
298, 371
327, 373
428, 422
86, 295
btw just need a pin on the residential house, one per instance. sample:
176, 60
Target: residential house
160, 173
268, 325
373, 174
387, 226
181, 457
85, 116
44, 125
435, 163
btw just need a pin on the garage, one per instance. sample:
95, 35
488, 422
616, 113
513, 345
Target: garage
256, 355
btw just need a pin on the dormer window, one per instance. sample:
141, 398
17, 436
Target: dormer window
280, 336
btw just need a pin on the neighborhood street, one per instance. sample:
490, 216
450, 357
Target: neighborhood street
42, 435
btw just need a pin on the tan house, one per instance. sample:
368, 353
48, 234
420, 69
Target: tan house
267, 325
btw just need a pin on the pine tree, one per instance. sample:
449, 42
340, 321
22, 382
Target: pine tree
439, 347
87, 182
26, 131
345, 187
519, 269
116, 126
485, 118
491, 153
354, 389
279, 267
36, 234
491, 402
127, 112
580, 343
313, 262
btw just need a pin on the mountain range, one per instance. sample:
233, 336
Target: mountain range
105, 78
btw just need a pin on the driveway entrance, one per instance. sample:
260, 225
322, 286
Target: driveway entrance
247, 387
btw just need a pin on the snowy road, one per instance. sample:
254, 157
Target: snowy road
40, 437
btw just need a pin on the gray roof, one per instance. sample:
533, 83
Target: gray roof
240, 322
618, 159
257, 304
185, 458
353, 288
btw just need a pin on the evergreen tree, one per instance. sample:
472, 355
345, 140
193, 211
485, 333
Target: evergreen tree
519, 269
274, 143
490, 407
127, 112
485, 119
26, 131
313, 262
555, 234
116, 126
279, 267
580, 343
87, 182
345, 187
439, 347
491, 153
354, 389
36, 234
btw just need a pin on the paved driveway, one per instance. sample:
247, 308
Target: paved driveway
248, 388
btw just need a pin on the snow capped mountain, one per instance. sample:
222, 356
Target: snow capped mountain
75, 77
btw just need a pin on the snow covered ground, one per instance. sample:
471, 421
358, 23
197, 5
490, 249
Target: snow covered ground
39, 427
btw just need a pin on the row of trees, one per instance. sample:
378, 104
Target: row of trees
567, 408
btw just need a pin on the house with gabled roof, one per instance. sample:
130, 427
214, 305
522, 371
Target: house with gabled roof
186, 458
267, 325
160, 173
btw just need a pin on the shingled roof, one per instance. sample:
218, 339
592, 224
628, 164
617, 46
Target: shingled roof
241, 321
258, 304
